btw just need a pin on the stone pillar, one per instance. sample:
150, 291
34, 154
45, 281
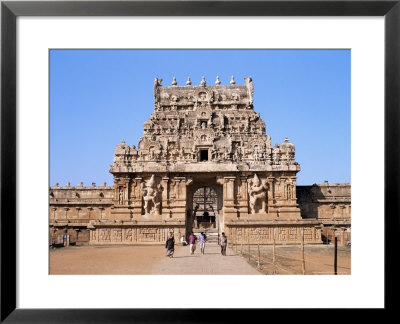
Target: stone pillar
126, 183
242, 197
179, 188
272, 209
78, 209
288, 208
133, 190
294, 195
165, 211
90, 216
66, 212
164, 183
137, 201
178, 207
229, 210
271, 191
54, 209
101, 212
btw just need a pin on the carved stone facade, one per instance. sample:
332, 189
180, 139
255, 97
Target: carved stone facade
197, 136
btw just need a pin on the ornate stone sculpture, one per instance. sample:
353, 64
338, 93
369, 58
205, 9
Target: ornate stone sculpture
151, 197
275, 154
257, 193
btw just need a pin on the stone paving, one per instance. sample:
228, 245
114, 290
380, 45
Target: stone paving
211, 262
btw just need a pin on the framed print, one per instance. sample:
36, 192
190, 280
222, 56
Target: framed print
146, 205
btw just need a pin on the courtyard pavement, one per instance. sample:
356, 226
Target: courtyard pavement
211, 262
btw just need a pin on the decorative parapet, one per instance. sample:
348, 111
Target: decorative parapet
80, 186
69, 195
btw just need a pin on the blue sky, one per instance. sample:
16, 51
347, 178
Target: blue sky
99, 97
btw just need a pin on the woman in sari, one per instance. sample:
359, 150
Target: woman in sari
170, 245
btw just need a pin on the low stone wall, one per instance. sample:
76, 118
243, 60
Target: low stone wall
264, 233
134, 234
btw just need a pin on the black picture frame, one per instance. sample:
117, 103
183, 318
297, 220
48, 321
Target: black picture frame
10, 10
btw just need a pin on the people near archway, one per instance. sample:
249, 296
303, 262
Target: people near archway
223, 242
202, 240
170, 245
192, 242
183, 241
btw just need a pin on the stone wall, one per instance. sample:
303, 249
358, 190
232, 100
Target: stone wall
80, 204
328, 202
131, 233
281, 233
89, 214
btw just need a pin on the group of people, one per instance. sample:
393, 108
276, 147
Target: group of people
170, 243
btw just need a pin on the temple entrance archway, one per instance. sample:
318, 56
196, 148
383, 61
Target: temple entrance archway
204, 206
205, 209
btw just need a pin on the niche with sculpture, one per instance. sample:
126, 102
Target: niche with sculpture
257, 195
152, 197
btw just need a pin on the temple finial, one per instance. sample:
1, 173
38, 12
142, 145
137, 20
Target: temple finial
188, 82
232, 80
174, 83
203, 81
217, 82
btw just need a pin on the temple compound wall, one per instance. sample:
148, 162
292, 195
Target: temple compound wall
199, 137
330, 203
71, 214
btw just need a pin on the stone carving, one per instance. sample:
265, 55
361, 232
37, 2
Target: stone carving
213, 116
117, 235
287, 152
148, 234
128, 235
257, 195
275, 154
250, 89
104, 234
120, 196
151, 197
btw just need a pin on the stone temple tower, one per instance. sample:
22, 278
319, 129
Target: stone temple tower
206, 136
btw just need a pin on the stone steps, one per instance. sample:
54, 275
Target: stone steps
211, 237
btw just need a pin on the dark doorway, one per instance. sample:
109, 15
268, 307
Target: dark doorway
205, 206
203, 155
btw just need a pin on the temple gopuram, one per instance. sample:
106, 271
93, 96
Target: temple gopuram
204, 163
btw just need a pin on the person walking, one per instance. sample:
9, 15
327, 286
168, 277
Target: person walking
192, 242
183, 241
170, 245
223, 241
203, 240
